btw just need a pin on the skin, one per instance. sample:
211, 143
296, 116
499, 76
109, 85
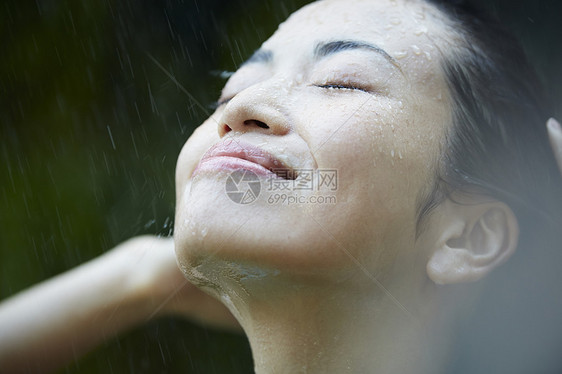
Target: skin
381, 140
133, 283
295, 276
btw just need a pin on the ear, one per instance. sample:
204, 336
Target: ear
471, 240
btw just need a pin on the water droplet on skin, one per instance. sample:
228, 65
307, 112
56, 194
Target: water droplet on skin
400, 155
422, 30
392, 153
395, 21
400, 55
417, 50
204, 231
428, 55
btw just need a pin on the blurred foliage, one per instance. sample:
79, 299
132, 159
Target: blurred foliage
90, 128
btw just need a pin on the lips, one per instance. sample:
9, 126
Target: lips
233, 155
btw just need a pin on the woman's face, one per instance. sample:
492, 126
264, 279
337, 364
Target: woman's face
348, 92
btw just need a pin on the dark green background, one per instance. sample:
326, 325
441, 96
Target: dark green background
90, 129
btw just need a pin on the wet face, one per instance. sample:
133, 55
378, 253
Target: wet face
346, 91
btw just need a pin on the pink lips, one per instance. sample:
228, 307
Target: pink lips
235, 155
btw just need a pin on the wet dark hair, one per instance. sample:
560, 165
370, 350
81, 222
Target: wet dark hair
498, 146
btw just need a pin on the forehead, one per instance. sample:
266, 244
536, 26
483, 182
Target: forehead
382, 18
410, 31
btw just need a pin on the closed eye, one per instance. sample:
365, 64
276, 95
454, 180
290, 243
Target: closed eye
340, 87
222, 102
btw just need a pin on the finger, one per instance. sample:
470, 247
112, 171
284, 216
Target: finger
555, 134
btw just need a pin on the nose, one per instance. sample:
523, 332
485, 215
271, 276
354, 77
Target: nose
255, 109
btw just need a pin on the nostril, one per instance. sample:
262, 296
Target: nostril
257, 123
226, 128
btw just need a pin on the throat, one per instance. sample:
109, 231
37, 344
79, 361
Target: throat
309, 335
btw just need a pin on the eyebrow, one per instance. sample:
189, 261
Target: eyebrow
326, 49
329, 48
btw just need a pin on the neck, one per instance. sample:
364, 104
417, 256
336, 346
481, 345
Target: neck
320, 331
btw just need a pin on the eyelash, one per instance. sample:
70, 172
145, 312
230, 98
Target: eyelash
220, 103
340, 87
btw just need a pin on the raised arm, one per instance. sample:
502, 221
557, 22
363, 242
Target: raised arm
55, 322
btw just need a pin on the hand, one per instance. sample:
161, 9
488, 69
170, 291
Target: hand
46, 326
555, 134
156, 276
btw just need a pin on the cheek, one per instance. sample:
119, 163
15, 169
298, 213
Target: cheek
383, 154
369, 140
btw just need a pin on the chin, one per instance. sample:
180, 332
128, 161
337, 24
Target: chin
213, 234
